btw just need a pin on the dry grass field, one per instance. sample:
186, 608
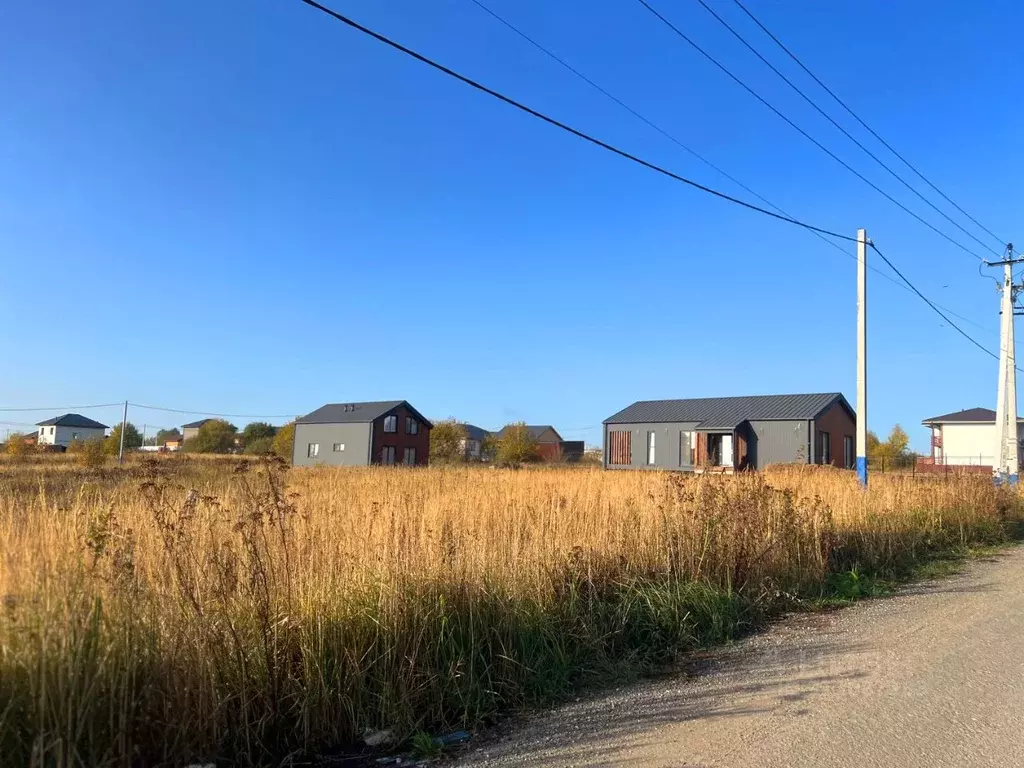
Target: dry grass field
182, 609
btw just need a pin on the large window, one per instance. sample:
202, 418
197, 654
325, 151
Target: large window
848, 458
387, 454
410, 456
312, 450
390, 423
619, 447
687, 449
650, 448
412, 427
824, 448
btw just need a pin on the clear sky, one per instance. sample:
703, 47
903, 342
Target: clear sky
247, 207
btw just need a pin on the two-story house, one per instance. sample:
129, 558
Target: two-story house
358, 434
69, 428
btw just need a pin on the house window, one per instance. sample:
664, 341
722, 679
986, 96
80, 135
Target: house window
339, 447
412, 427
312, 450
51, 430
410, 456
387, 454
687, 448
74, 435
848, 458
824, 448
650, 448
390, 423
619, 452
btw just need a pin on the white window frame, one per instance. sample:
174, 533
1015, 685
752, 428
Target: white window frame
312, 450
339, 447
652, 453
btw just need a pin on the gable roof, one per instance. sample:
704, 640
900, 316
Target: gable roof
195, 424
976, 415
728, 412
357, 413
534, 430
475, 433
72, 420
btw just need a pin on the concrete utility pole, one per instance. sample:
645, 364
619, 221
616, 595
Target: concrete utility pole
1007, 462
124, 423
862, 356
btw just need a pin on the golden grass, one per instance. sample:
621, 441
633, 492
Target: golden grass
180, 609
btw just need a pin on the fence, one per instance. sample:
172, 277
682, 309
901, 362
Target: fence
926, 465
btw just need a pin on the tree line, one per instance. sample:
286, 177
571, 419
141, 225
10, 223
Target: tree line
515, 446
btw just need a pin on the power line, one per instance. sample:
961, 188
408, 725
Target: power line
801, 131
569, 129
688, 149
61, 408
846, 133
857, 117
215, 415
934, 307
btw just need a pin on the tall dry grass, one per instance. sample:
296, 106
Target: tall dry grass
182, 609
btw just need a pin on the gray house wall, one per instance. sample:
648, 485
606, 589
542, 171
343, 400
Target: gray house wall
666, 445
355, 437
779, 442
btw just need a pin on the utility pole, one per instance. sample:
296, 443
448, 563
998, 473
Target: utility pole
1007, 461
862, 357
124, 423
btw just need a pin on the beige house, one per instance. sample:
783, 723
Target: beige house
188, 431
966, 438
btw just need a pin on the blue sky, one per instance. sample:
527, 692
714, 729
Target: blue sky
246, 207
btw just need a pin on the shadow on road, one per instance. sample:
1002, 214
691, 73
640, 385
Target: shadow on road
780, 670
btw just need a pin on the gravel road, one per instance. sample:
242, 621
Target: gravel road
932, 677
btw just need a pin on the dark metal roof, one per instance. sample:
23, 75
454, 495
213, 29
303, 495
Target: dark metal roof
195, 424
475, 433
356, 413
710, 413
982, 415
534, 430
72, 420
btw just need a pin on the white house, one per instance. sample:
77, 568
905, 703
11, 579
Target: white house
472, 446
967, 438
63, 430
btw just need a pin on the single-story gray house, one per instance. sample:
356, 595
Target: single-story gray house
732, 433
358, 434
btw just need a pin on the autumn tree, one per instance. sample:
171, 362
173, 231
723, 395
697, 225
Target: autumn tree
515, 446
215, 436
258, 430
284, 439
447, 442
16, 445
167, 435
132, 439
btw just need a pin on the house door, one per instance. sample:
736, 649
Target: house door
726, 457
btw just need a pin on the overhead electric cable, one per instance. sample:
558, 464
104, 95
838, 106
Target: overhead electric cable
867, 127
569, 129
801, 131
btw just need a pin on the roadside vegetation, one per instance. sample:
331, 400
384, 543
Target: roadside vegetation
187, 609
